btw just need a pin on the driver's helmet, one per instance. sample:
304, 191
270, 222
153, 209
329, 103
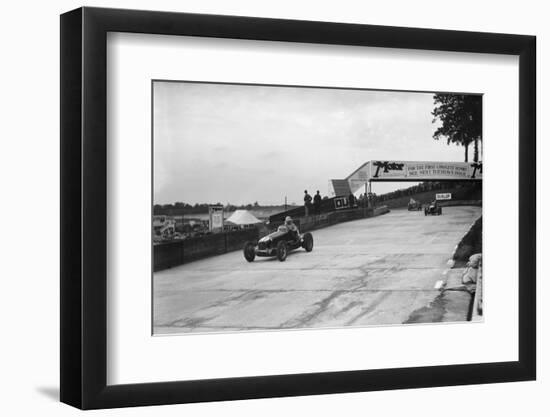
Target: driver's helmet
288, 220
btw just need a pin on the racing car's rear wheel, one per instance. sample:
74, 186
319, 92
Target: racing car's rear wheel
249, 251
282, 251
308, 242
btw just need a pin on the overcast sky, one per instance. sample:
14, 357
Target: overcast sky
240, 144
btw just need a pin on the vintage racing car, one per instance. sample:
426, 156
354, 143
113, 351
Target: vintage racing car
414, 205
278, 244
433, 208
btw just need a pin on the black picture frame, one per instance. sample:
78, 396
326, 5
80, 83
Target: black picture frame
84, 207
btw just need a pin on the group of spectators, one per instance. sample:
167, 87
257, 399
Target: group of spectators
316, 206
361, 201
312, 205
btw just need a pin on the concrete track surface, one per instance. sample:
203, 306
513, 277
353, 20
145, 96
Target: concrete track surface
374, 271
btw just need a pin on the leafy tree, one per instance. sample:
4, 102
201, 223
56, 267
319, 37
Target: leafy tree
460, 117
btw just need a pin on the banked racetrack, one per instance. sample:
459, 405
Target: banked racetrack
373, 271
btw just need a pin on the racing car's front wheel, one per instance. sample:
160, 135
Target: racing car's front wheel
282, 251
249, 251
308, 242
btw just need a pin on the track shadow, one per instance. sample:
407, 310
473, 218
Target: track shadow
274, 258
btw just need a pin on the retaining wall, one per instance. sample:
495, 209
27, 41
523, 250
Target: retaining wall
470, 243
451, 203
470, 193
313, 222
178, 252
477, 307
327, 206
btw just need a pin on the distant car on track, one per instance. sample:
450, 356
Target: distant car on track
278, 244
414, 205
433, 209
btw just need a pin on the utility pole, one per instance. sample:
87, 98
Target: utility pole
365, 201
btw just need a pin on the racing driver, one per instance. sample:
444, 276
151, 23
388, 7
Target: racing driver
291, 227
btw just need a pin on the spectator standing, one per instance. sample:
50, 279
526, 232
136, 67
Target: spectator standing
317, 203
351, 200
307, 202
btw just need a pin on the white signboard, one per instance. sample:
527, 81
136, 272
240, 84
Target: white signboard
216, 218
443, 196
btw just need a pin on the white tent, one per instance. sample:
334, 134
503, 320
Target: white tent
243, 217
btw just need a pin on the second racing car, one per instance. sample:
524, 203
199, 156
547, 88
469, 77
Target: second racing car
433, 208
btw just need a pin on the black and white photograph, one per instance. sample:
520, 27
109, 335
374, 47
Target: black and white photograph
264, 209
281, 207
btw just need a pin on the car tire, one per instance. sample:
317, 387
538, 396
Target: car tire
249, 251
307, 242
282, 251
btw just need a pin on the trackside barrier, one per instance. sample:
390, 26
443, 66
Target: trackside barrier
178, 252
477, 308
327, 206
470, 243
454, 203
313, 222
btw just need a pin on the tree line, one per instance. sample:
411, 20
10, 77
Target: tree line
423, 187
180, 208
461, 120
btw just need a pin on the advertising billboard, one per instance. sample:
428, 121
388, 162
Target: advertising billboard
443, 196
414, 171
341, 203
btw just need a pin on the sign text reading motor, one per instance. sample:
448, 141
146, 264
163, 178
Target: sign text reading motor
387, 167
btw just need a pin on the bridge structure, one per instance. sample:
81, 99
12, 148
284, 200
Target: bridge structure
403, 171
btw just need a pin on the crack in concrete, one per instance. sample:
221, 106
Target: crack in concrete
188, 322
193, 321
369, 309
310, 314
